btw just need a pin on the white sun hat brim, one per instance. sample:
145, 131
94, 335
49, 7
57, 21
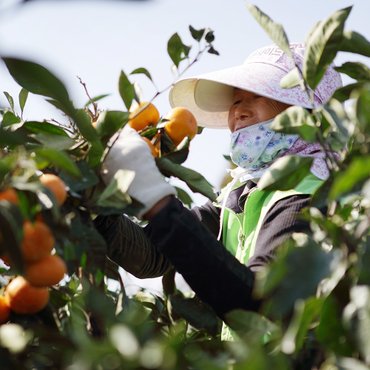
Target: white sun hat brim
209, 96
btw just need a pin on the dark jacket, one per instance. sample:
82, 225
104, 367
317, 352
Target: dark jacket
186, 239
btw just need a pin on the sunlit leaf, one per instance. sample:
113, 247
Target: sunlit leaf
330, 331
9, 118
322, 46
291, 79
115, 194
10, 100
357, 171
306, 312
275, 30
59, 159
285, 173
109, 122
296, 120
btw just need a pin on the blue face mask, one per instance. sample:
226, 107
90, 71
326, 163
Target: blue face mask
256, 146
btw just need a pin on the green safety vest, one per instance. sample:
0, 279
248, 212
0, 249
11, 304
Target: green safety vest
240, 230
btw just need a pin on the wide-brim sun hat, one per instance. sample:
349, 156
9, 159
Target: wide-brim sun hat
209, 96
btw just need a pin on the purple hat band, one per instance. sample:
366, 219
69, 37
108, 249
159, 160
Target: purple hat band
210, 95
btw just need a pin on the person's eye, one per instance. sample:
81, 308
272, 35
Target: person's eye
236, 102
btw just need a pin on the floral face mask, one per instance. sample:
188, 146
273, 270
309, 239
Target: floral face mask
256, 146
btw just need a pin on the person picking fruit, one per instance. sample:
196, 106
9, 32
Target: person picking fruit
218, 247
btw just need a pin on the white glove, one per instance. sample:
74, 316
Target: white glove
131, 152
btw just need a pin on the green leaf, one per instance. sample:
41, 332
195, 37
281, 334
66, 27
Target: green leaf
330, 331
44, 127
197, 34
275, 30
193, 179
344, 93
126, 90
143, 71
10, 100
322, 46
337, 133
8, 138
95, 99
212, 50
83, 122
11, 233
295, 274
115, 194
22, 98
345, 181
210, 37
176, 49
296, 120
109, 122
194, 311
356, 70
357, 319
38, 80
305, 314
285, 173
248, 324
354, 42
184, 196
87, 180
291, 79
9, 118
362, 107
59, 159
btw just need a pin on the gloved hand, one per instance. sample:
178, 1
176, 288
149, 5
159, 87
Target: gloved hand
131, 152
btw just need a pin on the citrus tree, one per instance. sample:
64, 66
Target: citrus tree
60, 306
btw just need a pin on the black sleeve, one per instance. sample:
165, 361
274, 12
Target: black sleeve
215, 275
209, 215
130, 248
279, 223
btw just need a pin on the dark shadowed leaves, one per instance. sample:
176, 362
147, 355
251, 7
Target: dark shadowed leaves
354, 42
294, 275
176, 49
197, 34
126, 90
38, 80
356, 70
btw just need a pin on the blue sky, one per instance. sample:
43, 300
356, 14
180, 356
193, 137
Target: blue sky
95, 40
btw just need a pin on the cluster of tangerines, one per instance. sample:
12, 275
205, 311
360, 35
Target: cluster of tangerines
178, 124
29, 293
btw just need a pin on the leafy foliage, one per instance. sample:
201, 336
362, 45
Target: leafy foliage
315, 310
